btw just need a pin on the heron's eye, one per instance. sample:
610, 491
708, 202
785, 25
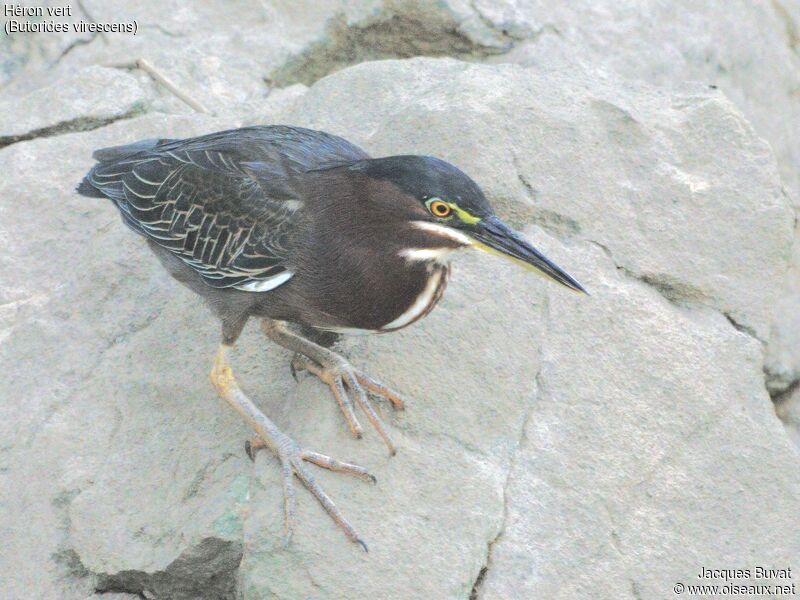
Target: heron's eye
439, 208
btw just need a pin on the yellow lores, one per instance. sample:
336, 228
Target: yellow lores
465, 216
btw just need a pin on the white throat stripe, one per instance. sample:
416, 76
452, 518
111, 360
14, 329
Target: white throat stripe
420, 305
439, 255
443, 231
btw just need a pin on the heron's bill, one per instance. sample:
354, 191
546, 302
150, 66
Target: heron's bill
493, 236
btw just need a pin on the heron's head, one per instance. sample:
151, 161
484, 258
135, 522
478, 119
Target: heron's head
439, 209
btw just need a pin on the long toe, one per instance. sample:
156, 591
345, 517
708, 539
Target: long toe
341, 378
346, 383
382, 391
295, 458
333, 379
349, 376
332, 464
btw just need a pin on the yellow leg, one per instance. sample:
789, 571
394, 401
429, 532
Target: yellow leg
291, 456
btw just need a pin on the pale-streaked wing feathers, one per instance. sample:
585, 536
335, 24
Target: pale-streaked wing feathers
214, 218
222, 203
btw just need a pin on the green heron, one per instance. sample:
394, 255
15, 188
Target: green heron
292, 225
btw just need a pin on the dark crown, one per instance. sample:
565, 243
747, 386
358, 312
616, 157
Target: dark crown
428, 177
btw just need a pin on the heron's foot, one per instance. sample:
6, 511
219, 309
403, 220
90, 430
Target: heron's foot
340, 377
290, 455
293, 459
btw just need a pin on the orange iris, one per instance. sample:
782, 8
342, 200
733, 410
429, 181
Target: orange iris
440, 209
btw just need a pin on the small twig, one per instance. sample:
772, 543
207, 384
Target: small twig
159, 77
162, 79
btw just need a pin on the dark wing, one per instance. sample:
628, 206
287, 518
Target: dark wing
224, 203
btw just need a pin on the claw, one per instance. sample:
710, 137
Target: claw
251, 447
248, 448
296, 364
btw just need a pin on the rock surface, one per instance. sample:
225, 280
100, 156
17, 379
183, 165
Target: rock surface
749, 50
229, 58
94, 97
684, 483
555, 446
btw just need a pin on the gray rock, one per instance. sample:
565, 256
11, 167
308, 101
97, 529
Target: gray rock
747, 49
93, 98
638, 472
68, 269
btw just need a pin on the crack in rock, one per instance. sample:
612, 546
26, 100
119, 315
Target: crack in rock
512, 463
678, 292
71, 126
478, 583
384, 37
742, 328
675, 291
77, 43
